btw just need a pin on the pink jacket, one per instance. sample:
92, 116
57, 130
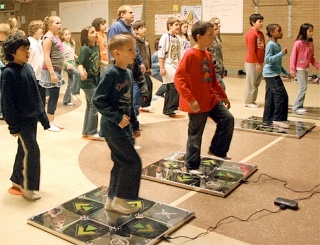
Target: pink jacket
302, 55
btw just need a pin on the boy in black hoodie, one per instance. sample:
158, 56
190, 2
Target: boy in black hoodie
22, 109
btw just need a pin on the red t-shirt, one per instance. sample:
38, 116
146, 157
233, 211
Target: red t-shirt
255, 46
195, 79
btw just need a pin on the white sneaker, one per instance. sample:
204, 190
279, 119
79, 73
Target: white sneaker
31, 195
281, 124
301, 111
252, 105
54, 128
95, 137
146, 109
58, 125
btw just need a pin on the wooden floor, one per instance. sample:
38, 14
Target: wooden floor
72, 166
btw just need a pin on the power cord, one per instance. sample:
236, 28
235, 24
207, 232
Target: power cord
281, 202
212, 228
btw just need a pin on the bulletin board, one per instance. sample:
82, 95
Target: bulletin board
230, 13
77, 15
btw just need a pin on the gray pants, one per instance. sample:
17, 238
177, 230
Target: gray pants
253, 80
302, 77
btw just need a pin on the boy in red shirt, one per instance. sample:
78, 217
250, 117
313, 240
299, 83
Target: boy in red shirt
254, 59
202, 97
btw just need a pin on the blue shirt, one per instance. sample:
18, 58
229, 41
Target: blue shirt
273, 60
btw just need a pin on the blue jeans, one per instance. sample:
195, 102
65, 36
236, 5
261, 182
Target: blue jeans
221, 140
73, 88
90, 123
53, 94
302, 77
136, 97
276, 100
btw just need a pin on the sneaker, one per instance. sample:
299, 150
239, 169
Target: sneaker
30, 195
252, 105
221, 158
195, 172
301, 111
157, 97
137, 147
146, 109
281, 124
95, 137
69, 104
54, 128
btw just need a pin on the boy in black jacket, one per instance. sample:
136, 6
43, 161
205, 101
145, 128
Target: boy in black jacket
22, 109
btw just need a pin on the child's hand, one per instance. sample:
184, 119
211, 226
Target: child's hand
162, 71
285, 51
136, 134
124, 122
84, 75
54, 78
227, 103
194, 106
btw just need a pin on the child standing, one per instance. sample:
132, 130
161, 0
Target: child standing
70, 57
119, 125
89, 68
156, 70
276, 99
51, 77
184, 37
35, 31
22, 109
100, 25
254, 60
216, 52
143, 45
302, 56
202, 97
169, 52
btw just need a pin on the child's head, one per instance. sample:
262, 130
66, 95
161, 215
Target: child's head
156, 43
4, 31
13, 23
65, 36
183, 27
122, 48
53, 24
139, 28
16, 48
173, 25
305, 32
199, 29
274, 31
88, 36
36, 28
100, 24
215, 21
256, 21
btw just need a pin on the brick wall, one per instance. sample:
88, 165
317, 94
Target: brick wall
274, 11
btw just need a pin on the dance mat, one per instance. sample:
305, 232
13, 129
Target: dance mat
83, 220
313, 113
254, 124
215, 176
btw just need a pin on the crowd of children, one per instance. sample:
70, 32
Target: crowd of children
116, 70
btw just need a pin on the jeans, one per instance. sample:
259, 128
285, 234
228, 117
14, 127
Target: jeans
171, 99
90, 123
253, 80
221, 140
162, 88
146, 101
126, 171
302, 77
276, 100
73, 88
53, 94
136, 97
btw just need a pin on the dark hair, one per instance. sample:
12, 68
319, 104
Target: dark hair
84, 35
270, 28
156, 43
200, 27
303, 32
137, 24
12, 43
254, 17
96, 23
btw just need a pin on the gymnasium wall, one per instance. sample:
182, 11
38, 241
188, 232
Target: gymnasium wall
274, 11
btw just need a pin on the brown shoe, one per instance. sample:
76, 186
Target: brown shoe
121, 206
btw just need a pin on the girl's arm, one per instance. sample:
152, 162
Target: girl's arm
47, 45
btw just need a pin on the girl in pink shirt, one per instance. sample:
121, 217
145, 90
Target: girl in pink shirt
302, 56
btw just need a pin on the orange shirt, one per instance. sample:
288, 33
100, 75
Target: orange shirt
103, 46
